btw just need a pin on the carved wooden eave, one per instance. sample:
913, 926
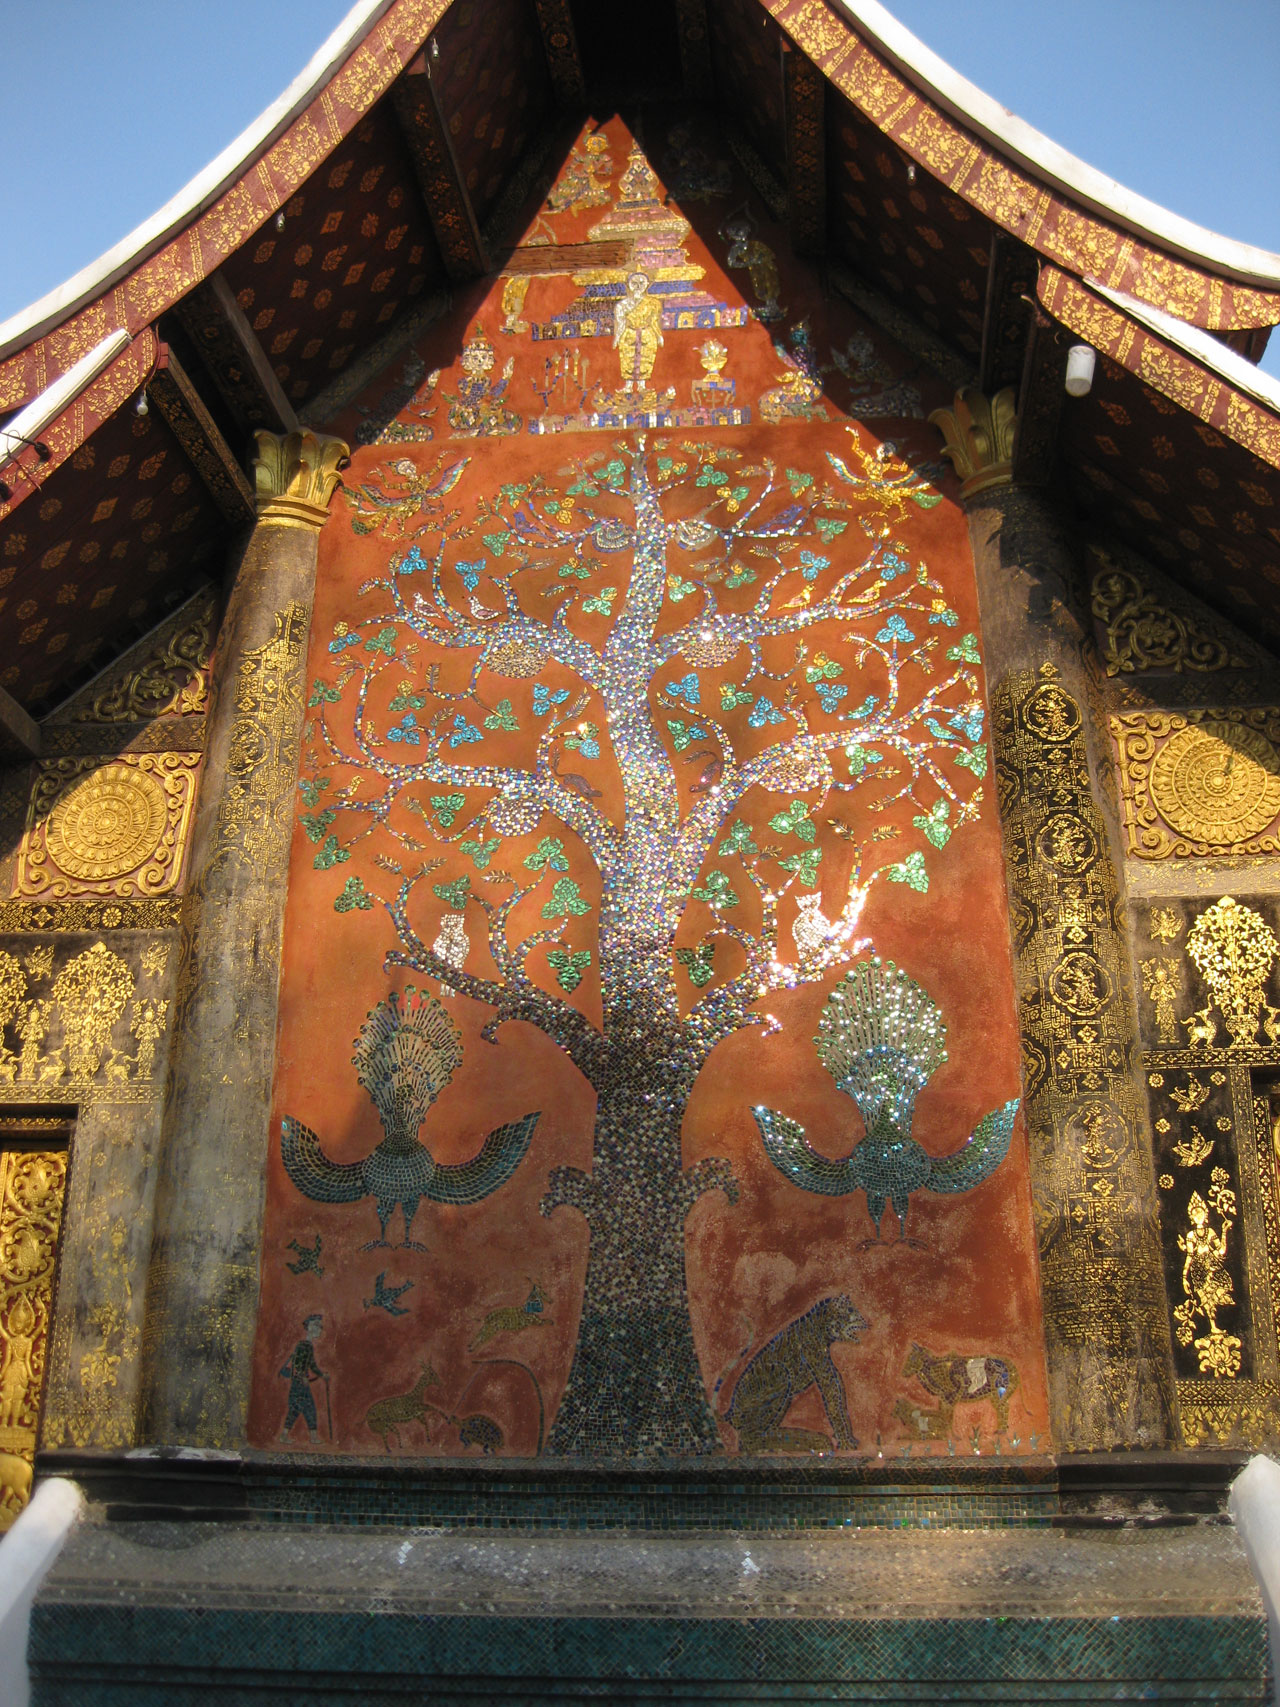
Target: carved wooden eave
323, 240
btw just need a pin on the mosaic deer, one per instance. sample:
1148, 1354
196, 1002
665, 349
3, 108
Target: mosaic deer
390, 1414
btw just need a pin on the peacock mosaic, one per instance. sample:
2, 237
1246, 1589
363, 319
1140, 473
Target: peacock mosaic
647, 1071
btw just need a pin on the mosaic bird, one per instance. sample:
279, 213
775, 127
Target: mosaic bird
407, 1051
308, 1258
882, 1038
384, 1296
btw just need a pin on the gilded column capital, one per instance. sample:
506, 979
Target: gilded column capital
295, 476
979, 431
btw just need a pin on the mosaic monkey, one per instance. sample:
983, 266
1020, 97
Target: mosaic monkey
797, 1358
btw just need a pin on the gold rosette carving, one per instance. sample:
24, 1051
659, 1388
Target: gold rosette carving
1206, 783
107, 827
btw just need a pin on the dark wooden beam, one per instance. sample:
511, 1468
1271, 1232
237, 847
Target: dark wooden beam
1041, 394
171, 391
560, 44
696, 70
435, 166
1012, 269
19, 734
237, 362
803, 88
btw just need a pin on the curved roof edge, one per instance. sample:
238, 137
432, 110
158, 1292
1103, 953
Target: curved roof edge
985, 116
1202, 346
200, 193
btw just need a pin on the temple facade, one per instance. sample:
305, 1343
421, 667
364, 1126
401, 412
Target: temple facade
639, 990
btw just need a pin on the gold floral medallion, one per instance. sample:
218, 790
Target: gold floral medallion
1217, 782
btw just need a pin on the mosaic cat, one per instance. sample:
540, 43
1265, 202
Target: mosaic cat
797, 1358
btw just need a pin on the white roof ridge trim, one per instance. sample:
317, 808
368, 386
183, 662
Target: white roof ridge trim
31, 421
200, 193
1200, 345
1022, 142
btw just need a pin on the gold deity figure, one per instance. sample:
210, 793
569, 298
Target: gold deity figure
1204, 1274
17, 1375
637, 332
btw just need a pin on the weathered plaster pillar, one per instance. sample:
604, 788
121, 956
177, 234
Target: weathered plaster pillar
1106, 1324
202, 1285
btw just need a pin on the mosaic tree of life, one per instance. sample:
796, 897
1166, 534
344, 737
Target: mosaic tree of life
652, 629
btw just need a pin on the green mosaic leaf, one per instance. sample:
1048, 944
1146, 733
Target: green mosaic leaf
583, 488
860, 757
976, 761
502, 717
497, 542
511, 493
684, 734
406, 701
601, 603
354, 897
731, 697
740, 576
665, 465
927, 500
805, 865
965, 650
613, 471
574, 572
454, 895
795, 821
569, 966
330, 855
934, 823
448, 807
738, 841
829, 528
708, 476
823, 669
565, 901
548, 855
798, 482
316, 823
698, 963
679, 589
482, 852
311, 788
716, 891
384, 641
322, 694
910, 871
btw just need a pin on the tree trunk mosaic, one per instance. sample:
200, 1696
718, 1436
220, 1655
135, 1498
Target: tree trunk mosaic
646, 964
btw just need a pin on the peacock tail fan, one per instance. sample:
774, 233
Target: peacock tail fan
407, 1051
881, 1037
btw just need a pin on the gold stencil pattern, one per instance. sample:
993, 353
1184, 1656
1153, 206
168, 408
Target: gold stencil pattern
1106, 1322
114, 827
63, 1033
31, 1190
1234, 948
1204, 783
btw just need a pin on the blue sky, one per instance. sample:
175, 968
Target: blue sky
109, 106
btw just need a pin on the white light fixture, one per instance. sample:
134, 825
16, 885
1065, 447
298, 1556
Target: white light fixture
1081, 361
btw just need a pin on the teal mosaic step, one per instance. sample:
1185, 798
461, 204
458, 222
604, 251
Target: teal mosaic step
178, 1613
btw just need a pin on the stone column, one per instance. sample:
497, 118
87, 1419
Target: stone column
202, 1284
1107, 1341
